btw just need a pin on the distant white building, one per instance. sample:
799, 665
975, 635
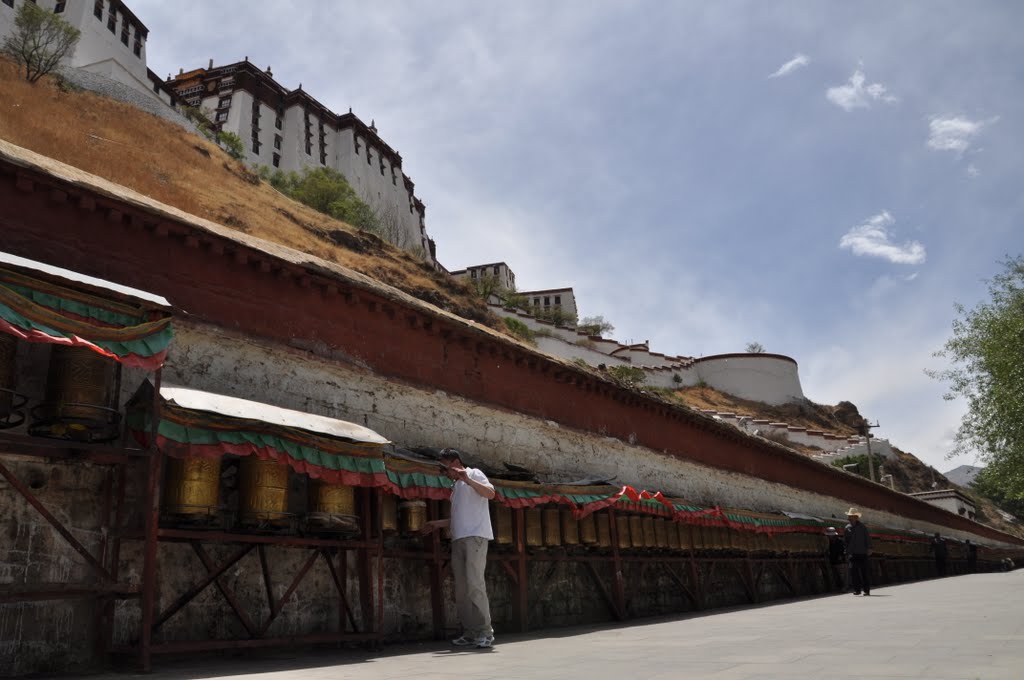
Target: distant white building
545, 301
112, 43
499, 271
290, 130
949, 499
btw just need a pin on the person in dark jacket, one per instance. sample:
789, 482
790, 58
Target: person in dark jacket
858, 547
972, 556
941, 552
836, 556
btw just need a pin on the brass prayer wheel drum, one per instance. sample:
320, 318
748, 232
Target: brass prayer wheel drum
588, 530
262, 490
650, 538
552, 527
388, 512
570, 528
534, 528
604, 530
636, 532
334, 499
192, 486
672, 534
685, 532
622, 526
661, 532
697, 534
81, 397
502, 524
413, 515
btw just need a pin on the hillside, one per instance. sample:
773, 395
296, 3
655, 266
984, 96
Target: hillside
159, 159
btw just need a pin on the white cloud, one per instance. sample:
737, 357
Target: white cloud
872, 239
855, 94
798, 61
954, 134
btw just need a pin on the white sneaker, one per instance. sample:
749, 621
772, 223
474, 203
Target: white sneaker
485, 642
463, 641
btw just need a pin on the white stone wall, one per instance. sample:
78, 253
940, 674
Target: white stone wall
757, 377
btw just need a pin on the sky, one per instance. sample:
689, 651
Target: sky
825, 179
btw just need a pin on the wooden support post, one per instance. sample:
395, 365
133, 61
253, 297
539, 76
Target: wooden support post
436, 575
151, 524
366, 567
618, 586
522, 607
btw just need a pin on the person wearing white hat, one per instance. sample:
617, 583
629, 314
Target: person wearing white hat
858, 548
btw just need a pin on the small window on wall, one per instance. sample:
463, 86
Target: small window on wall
112, 20
59, 7
97, 8
222, 116
224, 103
277, 160
137, 48
124, 33
278, 123
9, 3
277, 142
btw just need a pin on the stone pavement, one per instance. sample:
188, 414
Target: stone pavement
961, 627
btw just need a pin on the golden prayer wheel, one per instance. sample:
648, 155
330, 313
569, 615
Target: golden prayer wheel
661, 533
604, 530
8, 351
192, 486
650, 538
502, 524
413, 515
685, 532
623, 527
262, 490
534, 528
738, 539
672, 534
388, 512
334, 499
552, 522
81, 399
636, 532
701, 537
588, 530
570, 528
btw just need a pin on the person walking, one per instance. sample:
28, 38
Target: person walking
836, 556
857, 542
941, 552
470, 527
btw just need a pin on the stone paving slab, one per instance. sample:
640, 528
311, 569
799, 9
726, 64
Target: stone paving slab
960, 628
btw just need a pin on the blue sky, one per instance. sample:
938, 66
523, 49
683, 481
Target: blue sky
827, 179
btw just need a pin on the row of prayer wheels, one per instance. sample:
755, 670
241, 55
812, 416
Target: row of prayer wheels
192, 491
553, 527
893, 548
80, 402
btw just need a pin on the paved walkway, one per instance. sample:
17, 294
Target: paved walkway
962, 627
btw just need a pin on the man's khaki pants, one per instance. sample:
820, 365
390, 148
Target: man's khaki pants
469, 559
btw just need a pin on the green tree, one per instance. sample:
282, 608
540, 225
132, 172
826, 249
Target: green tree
39, 41
325, 190
755, 348
986, 485
987, 353
627, 376
594, 325
233, 144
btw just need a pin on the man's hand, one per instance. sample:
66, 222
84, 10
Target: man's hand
432, 526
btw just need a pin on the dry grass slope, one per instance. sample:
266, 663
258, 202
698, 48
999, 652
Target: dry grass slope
154, 157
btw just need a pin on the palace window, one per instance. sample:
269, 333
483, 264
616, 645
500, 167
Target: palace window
222, 116
255, 147
277, 160
278, 123
112, 20
97, 8
59, 7
137, 47
124, 32
224, 103
277, 142
558, 300
495, 270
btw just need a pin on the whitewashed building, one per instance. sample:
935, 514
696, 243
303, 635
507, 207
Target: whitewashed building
290, 130
112, 43
949, 499
499, 271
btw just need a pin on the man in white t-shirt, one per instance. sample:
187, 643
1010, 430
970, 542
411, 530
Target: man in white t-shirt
470, 526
